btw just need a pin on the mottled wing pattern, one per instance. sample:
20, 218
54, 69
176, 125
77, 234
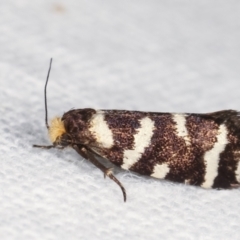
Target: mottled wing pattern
196, 149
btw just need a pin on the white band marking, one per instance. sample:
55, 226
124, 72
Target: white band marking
211, 157
142, 139
180, 120
99, 128
237, 172
160, 170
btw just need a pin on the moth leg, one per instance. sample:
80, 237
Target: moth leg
107, 171
47, 147
234, 185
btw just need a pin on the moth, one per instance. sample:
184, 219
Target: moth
190, 148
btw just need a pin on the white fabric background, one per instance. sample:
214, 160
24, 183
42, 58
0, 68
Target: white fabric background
174, 56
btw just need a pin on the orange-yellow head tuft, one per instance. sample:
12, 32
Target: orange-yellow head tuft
56, 129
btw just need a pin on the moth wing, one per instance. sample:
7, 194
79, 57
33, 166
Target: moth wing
189, 148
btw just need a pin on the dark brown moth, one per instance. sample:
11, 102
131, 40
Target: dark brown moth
195, 149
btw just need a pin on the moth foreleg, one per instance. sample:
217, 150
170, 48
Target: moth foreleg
87, 154
47, 147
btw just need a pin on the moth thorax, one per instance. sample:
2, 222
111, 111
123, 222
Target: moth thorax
56, 129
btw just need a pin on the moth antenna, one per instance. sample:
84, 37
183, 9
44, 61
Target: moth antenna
45, 95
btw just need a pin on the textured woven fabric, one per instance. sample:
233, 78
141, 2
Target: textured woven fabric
169, 56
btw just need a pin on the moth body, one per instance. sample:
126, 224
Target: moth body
196, 149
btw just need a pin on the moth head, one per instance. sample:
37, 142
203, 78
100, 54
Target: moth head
56, 129
57, 133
